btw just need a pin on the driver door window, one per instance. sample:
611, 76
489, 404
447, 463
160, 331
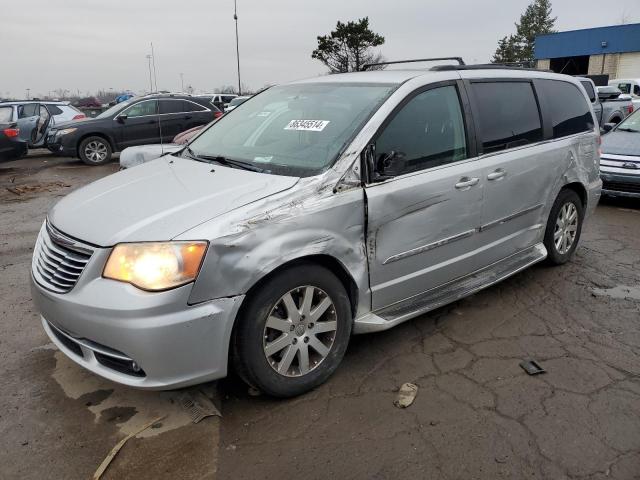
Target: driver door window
142, 109
427, 132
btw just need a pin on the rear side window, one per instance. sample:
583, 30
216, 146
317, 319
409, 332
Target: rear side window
171, 106
590, 91
508, 115
569, 111
54, 110
227, 98
636, 90
5, 114
192, 107
28, 110
427, 132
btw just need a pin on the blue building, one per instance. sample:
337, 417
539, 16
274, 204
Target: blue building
612, 51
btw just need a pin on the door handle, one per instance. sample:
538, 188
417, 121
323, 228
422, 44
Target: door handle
466, 182
496, 174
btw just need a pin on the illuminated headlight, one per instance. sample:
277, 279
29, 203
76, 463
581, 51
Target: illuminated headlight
66, 131
155, 266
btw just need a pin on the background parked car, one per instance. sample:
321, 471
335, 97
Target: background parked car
11, 145
620, 159
220, 100
629, 86
236, 102
132, 156
138, 121
88, 102
607, 103
33, 120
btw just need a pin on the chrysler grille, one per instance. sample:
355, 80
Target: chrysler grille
58, 261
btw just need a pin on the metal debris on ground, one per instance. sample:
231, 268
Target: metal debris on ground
114, 451
532, 367
198, 405
36, 187
406, 395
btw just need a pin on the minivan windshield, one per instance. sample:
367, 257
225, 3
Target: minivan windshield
296, 130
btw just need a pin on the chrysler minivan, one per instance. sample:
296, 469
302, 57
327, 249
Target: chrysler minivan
316, 210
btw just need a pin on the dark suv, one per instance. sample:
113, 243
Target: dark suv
138, 121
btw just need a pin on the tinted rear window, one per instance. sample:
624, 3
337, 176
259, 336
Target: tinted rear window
569, 110
5, 114
171, 106
190, 106
508, 115
590, 91
53, 110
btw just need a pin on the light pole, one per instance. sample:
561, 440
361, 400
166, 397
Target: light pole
182, 82
149, 57
235, 17
28, 92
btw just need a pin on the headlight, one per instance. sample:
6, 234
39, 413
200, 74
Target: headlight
155, 266
66, 131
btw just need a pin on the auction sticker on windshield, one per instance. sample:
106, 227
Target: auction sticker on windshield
307, 125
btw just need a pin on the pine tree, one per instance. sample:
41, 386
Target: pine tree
348, 47
536, 20
508, 50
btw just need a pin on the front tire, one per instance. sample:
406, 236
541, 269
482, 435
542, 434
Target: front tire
564, 227
293, 331
95, 151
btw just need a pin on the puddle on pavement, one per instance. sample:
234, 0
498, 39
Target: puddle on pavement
128, 408
621, 291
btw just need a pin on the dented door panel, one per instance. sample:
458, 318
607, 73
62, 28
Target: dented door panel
421, 231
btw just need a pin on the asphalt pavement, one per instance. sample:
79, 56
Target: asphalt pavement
477, 414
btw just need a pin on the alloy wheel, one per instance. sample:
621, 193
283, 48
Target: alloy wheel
300, 331
96, 151
566, 227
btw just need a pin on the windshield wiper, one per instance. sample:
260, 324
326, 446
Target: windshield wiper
223, 161
625, 129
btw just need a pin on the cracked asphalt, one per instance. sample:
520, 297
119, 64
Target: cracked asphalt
477, 414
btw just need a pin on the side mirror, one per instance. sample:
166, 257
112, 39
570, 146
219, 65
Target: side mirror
389, 165
122, 118
607, 127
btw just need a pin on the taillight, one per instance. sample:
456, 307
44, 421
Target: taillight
80, 116
12, 132
630, 109
217, 114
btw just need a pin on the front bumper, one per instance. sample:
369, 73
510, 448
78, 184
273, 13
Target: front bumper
618, 184
105, 326
62, 144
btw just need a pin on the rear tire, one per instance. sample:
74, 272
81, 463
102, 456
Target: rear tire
293, 331
564, 227
95, 151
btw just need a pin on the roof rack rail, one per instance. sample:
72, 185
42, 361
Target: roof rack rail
488, 66
415, 60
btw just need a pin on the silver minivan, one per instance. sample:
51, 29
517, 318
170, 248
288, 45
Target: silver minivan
316, 210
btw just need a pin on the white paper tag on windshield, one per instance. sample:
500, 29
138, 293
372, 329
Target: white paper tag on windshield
307, 125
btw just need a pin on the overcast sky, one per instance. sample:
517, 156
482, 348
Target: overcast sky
101, 44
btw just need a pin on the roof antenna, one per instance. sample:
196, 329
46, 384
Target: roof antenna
155, 80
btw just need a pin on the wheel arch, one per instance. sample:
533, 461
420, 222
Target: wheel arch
329, 262
580, 190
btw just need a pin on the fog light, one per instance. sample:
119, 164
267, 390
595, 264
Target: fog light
135, 367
